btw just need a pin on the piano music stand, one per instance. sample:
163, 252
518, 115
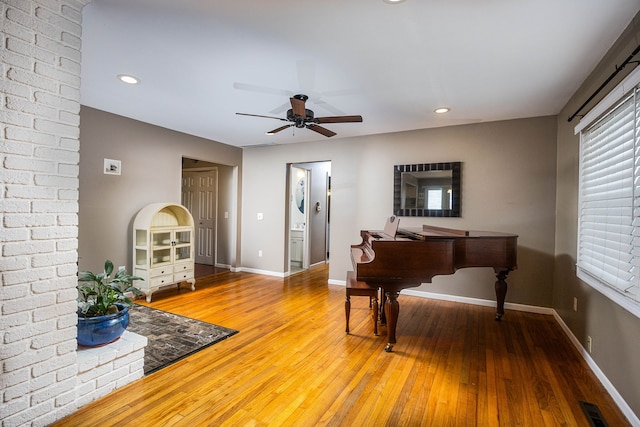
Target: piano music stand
391, 226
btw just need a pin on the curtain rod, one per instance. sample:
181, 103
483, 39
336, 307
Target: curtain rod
618, 69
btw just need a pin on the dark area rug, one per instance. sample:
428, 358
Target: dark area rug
172, 337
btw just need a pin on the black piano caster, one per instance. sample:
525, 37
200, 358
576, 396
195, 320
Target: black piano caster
389, 348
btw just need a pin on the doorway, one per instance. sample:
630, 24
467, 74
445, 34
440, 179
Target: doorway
200, 196
210, 193
298, 219
308, 214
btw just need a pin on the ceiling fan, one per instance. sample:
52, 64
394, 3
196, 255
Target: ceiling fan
301, 117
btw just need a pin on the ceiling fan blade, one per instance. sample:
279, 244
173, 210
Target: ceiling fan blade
273, 132
330, 108
261, 89
281, 108
338, 119
298, 107
265, 117
323, 131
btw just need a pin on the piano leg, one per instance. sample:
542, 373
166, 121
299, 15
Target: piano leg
347, 310
374, 314
383, 317
391, 309
501, 292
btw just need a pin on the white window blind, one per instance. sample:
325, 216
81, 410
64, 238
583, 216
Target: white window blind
609, 217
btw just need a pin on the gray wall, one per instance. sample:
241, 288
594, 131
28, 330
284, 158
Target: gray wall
614, 331
508, 184
151, 172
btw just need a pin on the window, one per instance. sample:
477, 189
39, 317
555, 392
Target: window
434, 198
609, 204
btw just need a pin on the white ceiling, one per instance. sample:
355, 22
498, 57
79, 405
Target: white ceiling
201, 61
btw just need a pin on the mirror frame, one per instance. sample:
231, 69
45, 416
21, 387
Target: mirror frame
456, 197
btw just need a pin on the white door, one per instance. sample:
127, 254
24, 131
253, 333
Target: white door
199, 191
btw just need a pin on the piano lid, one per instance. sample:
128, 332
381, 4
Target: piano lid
432, 232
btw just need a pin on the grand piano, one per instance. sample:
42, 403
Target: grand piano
394, 259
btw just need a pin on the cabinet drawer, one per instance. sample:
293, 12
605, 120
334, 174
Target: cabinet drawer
184, 275
161, 280
185, 266
160, 271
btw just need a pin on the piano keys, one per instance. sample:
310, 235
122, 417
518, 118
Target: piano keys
393, 260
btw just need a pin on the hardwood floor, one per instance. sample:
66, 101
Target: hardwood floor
292, 364
203, 270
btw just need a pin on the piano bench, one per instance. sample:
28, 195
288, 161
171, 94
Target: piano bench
357, 288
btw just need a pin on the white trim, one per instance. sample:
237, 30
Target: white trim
317, 264
265, 272
622, 404
613, 392
464, 300
477, 301
629, 82
628, 304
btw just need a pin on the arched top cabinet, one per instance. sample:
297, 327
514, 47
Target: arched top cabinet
163, 247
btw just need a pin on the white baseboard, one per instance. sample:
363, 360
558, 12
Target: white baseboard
622, 404
465, 300
619, 400
478, 301
276, 273
265, 272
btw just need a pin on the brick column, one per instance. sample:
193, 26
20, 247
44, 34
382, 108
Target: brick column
39, 153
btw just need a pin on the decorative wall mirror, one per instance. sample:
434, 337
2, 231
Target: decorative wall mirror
427, 189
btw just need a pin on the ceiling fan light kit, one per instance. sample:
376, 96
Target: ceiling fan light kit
302, 117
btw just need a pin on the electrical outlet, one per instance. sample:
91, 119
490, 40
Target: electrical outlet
589, 343
260, 216
575, 304
121, 268
260, 253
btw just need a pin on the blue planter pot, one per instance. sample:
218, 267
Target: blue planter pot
101, 330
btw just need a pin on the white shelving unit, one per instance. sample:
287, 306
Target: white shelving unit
163, 247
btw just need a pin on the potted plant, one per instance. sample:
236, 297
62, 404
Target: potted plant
103, 305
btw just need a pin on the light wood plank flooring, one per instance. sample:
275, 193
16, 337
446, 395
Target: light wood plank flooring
292, 364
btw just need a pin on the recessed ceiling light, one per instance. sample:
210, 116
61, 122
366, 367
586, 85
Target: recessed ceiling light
128, 79
442, 110
393, 1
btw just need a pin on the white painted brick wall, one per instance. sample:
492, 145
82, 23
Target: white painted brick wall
42, 376
104, 369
